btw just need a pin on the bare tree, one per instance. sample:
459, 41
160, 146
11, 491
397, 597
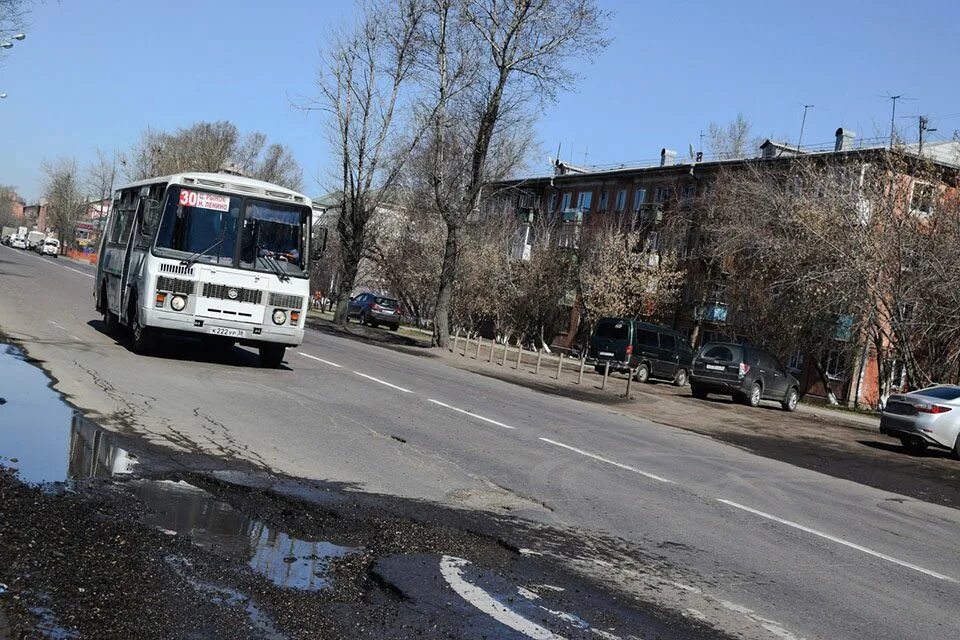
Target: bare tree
732, 140
66, 203
8, 195
830, 257
365, 86
102, 175
211, 146
490, 63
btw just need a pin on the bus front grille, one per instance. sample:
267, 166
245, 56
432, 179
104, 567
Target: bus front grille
237, 294
175, 285
285, 300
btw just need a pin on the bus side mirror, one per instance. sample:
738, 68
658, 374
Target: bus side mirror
318, 243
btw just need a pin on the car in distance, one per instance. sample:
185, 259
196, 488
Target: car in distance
747, 373
18, 242
375, 310
923, 418
50, 247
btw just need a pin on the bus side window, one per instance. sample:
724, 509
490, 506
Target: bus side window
123, 217
151, 215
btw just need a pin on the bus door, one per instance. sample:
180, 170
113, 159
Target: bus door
145, 220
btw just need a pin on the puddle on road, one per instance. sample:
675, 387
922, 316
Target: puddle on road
216, 526
45, 439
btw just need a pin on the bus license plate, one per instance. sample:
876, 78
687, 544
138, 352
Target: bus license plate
224, 331
606, 354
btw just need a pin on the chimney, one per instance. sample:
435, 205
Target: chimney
845, 138
667, 157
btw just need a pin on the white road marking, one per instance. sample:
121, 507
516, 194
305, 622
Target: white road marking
383, 382
83, 273
452, 571
74, 337
608, 461
840, 541
332, 364
57, 325
469, 413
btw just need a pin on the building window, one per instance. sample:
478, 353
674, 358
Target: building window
688, 192
565, 203
604, 201
638, 198
584, 198
795, 363
621, 199
663, 194
553, 202
922, 199
834, 364
652, 242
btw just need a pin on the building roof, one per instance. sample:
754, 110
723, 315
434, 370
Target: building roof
945, 153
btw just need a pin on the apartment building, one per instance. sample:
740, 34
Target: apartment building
649, 199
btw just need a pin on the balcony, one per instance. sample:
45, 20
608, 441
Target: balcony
575, 214
714, 312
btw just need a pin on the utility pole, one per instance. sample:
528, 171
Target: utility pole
923, 123
803, 123
893, 117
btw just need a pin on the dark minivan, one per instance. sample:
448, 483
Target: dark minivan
746, 372
649, 350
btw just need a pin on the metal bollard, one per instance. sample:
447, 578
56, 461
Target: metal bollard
503, 360
536, 369
583, 362
456, 339
629, 378
559, 365
466, 346
519, 355
493, 344
479, 343
606, 373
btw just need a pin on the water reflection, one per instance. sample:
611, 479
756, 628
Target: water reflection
45, 440
216, 526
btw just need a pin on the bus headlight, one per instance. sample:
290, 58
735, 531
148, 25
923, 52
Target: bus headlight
279, 316
178, 303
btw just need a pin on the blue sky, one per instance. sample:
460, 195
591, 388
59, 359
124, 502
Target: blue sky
94, 73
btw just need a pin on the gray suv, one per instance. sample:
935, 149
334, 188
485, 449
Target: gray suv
375, 310
748, 373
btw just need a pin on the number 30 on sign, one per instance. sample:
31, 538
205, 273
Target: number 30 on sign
204, 200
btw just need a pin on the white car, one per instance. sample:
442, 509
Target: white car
50, 247
18, 242
927, 417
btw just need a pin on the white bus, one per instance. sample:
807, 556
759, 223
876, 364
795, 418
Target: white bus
220, 256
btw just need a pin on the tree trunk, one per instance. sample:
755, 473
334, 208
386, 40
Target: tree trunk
825, 381
350, 256
448, 275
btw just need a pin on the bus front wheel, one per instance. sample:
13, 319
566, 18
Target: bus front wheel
271, 355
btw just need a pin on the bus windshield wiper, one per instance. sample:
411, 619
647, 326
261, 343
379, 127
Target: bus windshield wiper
189, 261
274, 266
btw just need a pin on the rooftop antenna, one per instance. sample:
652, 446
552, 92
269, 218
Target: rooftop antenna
585, 150
893, 115
803, 123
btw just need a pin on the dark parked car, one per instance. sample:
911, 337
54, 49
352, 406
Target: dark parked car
375, 310
748, 373
649, 350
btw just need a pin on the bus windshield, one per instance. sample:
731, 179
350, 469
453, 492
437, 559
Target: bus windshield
234, 231
201, 224
273, 236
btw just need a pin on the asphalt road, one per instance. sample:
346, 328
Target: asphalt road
773, 550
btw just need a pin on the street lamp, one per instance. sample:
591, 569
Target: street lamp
3, 96
6, 45
20, 36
